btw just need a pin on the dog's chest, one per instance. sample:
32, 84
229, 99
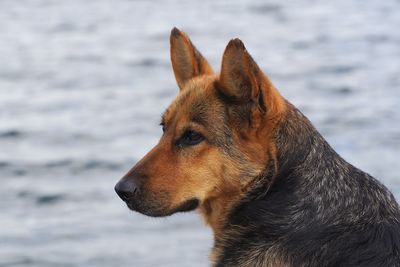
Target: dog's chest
246, 254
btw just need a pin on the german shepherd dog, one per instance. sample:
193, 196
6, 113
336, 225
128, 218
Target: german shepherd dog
268, 184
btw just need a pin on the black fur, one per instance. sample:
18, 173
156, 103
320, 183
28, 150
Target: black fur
317, 210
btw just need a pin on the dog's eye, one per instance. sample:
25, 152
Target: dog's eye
190, 138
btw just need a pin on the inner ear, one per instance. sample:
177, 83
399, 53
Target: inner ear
244, 86
187, 61
240, 76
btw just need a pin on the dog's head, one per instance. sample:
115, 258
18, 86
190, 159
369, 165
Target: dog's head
218, 133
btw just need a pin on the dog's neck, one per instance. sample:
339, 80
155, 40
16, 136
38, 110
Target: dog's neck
298, 146
293, 139
215, 211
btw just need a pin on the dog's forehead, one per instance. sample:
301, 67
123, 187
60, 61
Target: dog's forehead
193, 99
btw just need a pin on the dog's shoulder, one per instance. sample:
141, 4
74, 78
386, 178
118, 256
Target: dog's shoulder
295, 226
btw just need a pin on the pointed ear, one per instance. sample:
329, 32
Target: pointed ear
240, 79
187, 62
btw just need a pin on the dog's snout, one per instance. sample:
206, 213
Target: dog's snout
126, 189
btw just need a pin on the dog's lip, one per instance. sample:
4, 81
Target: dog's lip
148, 212
186, 206
128, 203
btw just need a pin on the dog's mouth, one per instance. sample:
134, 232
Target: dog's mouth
155, 209
188, 205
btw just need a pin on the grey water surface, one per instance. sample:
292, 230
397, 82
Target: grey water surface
83, 84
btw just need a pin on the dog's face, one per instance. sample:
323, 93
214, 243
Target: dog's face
214, 134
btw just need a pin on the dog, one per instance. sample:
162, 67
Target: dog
268, 184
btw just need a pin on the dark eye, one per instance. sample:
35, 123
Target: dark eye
190, 138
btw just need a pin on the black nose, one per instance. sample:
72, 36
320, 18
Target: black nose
126, 189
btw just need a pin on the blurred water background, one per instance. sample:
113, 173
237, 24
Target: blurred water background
83, 84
